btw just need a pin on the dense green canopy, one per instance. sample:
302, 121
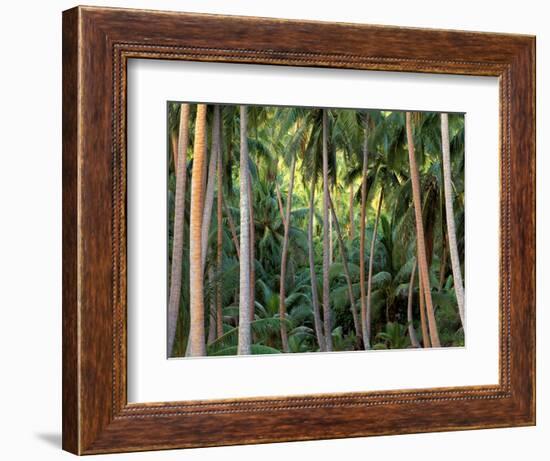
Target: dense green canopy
292, 154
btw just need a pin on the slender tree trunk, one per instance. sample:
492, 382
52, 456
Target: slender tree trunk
330, 244
422, 261
210, 188
252, 250
284, 255
280, 202
428, 218
343, 251
449, 211
244, 346
212, 316
326, 256
371, 264
364, 329
205, 169
232, 228
412, 332
174, 139
443, 264
313, 276
179, 215
423, 322
197, 346
219, 247
351, 215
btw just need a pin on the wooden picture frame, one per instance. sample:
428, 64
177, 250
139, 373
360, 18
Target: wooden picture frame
97, 43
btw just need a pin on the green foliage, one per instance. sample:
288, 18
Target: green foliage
394, 336
276, 135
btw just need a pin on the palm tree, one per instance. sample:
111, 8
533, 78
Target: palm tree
219, 241
330, 231
371, 261
179, 213
282, 295
311, 161
313, 276
244, 285
252, 245
279, 201
344, 253
212, 302
442, 263
326, 255
232, 228
449, 212
412, 332
263, 287
364, 325
422, 307
209, 199
351, 214
422, 261
175, 140
197, 345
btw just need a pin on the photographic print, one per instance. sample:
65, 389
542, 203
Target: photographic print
296, 229
213, 228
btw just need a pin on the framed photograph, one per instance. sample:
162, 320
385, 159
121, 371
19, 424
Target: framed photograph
284, 230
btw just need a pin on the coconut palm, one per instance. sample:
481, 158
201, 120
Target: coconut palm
219, 239
422, 261
286, 222
345, 265
364, 316
197, 345
177, 247
244, 284
330, 228
371, 262
410, 322
326, 255
209, 197
449, 213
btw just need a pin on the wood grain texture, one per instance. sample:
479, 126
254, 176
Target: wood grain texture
97, 42
70, 387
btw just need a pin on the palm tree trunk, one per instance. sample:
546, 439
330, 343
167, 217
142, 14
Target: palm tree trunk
197, 346
371, 263
330, 244
179, 215
412, 332
244, 345
423, 322
366, 339
212, 316
252, 249
312, 275
280, 202
232, 228
174, 139
219, 255
205, 169
326, 256
351, 215
443, 264
209, 200
453, 246
284, 256
356, 322
422, 261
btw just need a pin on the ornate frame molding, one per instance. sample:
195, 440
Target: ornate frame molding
97, 43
